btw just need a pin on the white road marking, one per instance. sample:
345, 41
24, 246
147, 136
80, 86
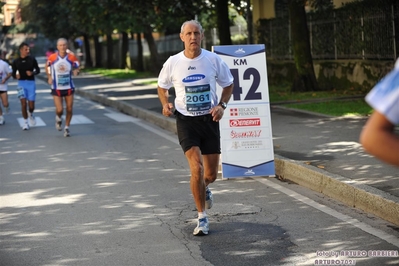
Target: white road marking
119, 117
39, 122
365, 227
158, 132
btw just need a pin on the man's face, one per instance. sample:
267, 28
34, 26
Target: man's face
24, 51
191, 36
62, 46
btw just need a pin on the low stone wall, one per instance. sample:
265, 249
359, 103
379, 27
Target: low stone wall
334, 74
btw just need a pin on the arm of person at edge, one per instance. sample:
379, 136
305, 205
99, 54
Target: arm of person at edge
216, 112
14, 70
378, 138
3, 81
49, 78
76, 66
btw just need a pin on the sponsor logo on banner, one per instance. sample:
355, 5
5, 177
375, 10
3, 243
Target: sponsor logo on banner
248, 145
249, 172
240, 51
244, 111
245, 122
245, 134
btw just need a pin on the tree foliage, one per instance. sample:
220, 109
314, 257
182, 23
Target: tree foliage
94, 18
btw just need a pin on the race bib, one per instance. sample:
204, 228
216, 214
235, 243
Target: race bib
198, 98
63, 80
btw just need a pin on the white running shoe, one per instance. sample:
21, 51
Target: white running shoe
208, 198
32, 120
66, 132
58, 123
2, 121
25, 126
202, 227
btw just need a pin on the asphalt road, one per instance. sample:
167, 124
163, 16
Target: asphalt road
117, 193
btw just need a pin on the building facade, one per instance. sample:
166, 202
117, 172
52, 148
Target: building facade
11, 12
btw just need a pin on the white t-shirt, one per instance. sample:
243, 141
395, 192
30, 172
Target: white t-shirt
195, 81
384, 97
4, 71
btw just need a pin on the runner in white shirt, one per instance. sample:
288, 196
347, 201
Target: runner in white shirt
194, 73
5, 74
378, 136
61, 66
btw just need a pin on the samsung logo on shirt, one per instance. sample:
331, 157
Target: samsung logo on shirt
193, 78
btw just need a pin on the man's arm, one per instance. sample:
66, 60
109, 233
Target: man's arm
226, 93
218, 111
378, 138
167, 107
6, 78
36, 68
14, 69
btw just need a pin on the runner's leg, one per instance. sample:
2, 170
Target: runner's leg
69, 108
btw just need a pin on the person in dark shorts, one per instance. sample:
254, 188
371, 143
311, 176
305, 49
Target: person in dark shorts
60, 68
24, 68
194, 73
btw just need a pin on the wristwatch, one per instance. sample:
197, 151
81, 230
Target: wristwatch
223, 104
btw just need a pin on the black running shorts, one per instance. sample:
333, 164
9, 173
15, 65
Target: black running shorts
199, 131
62, 93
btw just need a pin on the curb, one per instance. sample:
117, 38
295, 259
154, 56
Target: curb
363, 197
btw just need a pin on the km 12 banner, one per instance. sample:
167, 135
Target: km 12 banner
246, 131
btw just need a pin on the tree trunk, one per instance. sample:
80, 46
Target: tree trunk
110, 51
223, 22
250, 23
395, 6
140, 56
125, 57
155, 66
98, 51
305, 78
87, 54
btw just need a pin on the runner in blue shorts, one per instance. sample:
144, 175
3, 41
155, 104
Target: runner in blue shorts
24, 70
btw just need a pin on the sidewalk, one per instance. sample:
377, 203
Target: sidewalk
315, 151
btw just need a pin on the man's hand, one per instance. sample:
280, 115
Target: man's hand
217, 113
167, 109
50, 80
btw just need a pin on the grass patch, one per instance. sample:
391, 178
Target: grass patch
336, 108
118, 73
283, 93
